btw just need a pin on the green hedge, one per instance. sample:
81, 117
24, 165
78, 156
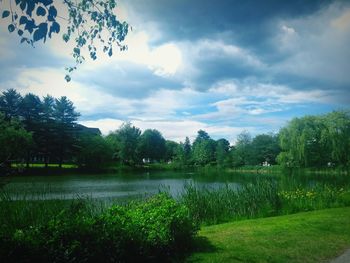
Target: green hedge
154, 230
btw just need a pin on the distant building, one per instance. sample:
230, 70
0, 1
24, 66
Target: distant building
87, 130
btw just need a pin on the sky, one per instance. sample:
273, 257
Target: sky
221, 66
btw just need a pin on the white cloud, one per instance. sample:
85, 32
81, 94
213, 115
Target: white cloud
317, 46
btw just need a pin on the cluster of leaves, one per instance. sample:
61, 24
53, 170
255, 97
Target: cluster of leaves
150, 231
23, 22
88, 21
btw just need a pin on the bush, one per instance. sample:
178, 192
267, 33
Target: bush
150, 231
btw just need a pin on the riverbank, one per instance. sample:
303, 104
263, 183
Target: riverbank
305, 237
40, 169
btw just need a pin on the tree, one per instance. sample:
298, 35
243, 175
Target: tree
88, 22
10, 101
65, 133
242, 151
152, 145
47, 129
264, 148
126, 139
30, 110
203, 148
336, 137
187, 150
222, 151
171, 149
314, 141
301, 143
94, 151
14, 140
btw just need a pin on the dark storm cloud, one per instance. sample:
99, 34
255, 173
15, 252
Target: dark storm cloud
245, 20
316, 59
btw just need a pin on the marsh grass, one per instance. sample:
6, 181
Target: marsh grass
263, 198
211, 206
30, 208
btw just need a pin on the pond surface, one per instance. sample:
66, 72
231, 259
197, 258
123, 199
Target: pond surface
130, 185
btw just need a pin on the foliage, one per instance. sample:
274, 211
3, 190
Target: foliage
14, 140
94, 151
222, 152
316, 141
88, 22
152, 145
203, 149
51, 122
150, 231
264, 148
171, 149
125, 142
10, 103
65, 119
242, 150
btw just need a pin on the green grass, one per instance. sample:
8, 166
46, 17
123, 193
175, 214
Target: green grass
305, 237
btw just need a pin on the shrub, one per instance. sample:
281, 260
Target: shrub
150, 231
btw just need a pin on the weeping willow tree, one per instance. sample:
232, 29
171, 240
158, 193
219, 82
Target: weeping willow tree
314, 141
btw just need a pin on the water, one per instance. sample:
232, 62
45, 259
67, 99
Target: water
133, 185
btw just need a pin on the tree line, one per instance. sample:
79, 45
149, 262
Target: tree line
45, 130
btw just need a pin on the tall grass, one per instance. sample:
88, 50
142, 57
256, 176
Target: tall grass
260, 199
212, 206
24, 209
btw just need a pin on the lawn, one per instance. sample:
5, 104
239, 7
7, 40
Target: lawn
305, 237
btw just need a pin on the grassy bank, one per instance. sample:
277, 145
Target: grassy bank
304, 237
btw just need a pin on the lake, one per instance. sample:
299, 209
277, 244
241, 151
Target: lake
131, 185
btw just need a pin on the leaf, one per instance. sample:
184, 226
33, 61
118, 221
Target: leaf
67, 78
23, 20
40, 11
41, 32
23, 5
30, 7
11, 28
65, 37
20, 32
52, 11
55, 28
30, 25
46, 2
110, 53
6, 13
76, 50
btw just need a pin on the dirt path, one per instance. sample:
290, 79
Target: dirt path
344, 258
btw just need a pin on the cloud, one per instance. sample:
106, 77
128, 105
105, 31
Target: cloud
222, 67
179, 20
316, 47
